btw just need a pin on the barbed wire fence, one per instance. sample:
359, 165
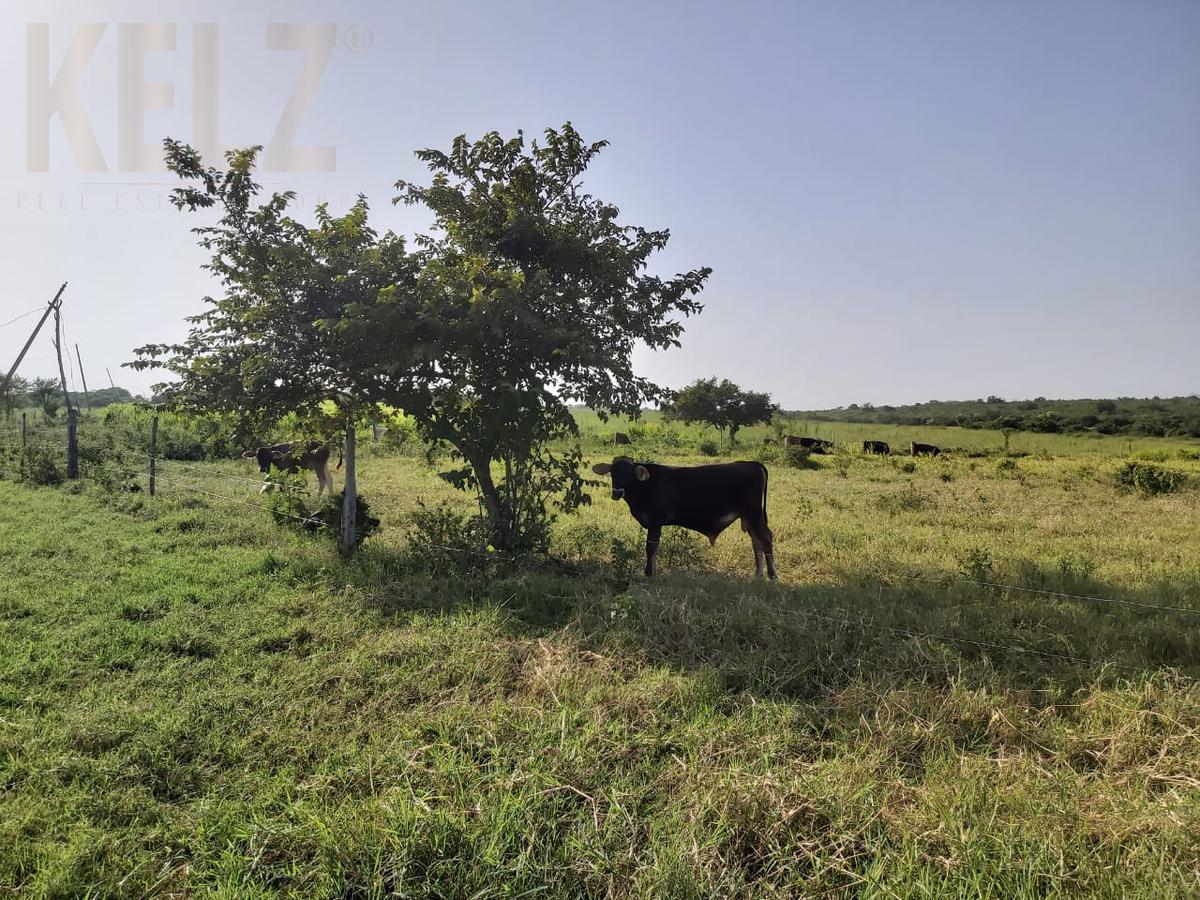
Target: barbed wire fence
207, 481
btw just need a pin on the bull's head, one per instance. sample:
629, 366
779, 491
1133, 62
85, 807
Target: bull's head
626, 474
264, 456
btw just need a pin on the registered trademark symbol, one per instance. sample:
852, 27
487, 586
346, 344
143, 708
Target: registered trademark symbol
358, 39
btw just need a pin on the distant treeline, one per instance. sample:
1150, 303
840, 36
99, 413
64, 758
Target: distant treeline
1157, 416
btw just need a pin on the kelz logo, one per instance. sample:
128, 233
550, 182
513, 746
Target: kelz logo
46, 97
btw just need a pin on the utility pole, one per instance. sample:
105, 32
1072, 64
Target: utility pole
62, 372
86, 396
53, 307
72, 412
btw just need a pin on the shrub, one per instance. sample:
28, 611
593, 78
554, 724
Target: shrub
708, 447
1150, 479
444, 539
976, 564
908, 500
180, 437
41, 465
800, 458
289, 506
767, 453
330, 516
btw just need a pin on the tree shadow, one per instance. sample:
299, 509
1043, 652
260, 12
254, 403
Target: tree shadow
804, 641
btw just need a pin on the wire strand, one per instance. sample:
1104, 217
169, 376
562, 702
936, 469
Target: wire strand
1028, 590
21, 316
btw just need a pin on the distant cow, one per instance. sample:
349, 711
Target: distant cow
880, 447
707, 499
620, 438
925, 449
816, 445
291, 458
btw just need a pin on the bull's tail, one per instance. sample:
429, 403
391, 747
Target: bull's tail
339, 465
766, 474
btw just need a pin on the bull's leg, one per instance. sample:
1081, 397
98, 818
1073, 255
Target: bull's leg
322, 477
653, 535
758, 556
764, 541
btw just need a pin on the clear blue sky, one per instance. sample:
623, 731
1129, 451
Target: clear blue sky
900, 201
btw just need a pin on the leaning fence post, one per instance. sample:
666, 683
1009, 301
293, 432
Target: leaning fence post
349, 497
153, 451
72, 443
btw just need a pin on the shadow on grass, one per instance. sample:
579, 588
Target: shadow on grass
809, 640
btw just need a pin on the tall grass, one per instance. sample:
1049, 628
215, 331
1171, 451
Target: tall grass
194, 700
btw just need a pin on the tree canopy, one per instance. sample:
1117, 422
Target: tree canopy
721, 404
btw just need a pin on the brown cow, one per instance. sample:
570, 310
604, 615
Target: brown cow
880, 447
291, 458
919, 449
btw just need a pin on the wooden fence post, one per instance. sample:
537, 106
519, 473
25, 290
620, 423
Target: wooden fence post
349, 497
23, 428
72, 443
153, 451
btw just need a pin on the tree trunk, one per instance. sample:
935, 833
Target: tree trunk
491, 500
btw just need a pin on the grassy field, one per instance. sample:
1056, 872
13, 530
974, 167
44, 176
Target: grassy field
899, 436
196, 700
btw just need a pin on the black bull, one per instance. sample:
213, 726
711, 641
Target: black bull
707, 499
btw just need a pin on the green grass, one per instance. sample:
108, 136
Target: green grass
194, 700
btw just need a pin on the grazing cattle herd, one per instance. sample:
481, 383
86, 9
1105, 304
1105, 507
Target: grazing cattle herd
818, 445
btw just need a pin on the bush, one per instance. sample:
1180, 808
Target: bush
976, 564
330, 516
1151, 479
445, 540
800, 458
41, 465
768, 453
180, 437
289, 506
908, 500
708, 447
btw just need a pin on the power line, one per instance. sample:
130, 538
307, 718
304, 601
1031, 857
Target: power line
21, 316
1028, 590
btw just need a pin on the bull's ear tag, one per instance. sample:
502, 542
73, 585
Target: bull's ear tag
642, 473
602, 468
250, 454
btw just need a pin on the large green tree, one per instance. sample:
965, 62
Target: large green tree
721, 404
532, 295
47, 394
